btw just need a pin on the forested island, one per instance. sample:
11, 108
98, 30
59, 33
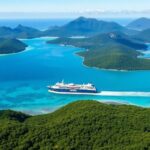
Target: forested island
110, 45
11, 45
82, 125
114, 50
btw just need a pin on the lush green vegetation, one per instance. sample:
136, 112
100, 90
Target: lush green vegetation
83, 125
110, 51
115, 57
8, 45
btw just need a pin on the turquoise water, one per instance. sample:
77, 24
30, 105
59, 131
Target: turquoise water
24, 77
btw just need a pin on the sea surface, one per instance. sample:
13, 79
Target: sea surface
24, 78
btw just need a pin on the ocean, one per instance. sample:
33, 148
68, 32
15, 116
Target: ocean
24, 78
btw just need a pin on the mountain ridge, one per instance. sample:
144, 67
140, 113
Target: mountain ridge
87, 27
140, 24
79, 27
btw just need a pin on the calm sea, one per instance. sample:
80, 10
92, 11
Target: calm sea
24, 78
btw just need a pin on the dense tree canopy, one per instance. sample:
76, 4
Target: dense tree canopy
82, 125
113, 50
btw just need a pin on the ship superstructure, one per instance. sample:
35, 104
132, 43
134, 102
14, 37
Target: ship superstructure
72, 88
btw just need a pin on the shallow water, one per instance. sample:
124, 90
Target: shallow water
24, 77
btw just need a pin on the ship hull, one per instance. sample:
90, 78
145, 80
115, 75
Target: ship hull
72, 93
68, 91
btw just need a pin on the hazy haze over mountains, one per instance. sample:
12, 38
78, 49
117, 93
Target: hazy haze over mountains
140, 24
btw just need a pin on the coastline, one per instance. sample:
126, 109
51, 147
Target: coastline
45, 96
83, 60
49, 111
28, 48
113, 70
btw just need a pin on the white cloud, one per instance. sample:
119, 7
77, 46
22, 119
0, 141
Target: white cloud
72, 14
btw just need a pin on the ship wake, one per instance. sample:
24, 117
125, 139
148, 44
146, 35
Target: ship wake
118, 93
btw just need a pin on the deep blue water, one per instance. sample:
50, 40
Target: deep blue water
24, 77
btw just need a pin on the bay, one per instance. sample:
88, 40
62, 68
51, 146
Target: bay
24, 78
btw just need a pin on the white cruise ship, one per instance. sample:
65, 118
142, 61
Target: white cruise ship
71, 88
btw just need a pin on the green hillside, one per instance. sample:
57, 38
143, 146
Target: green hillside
115, 57
8, 46
82, 125
113, 50
87, 27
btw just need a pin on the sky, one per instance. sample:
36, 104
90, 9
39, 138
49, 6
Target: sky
71, 8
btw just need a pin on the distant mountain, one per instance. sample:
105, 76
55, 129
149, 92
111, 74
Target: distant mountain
112, 50
6, 32
143, 35
8, 46
19, 32
26, 32
79, 27
140, 24
86, 27
82, 125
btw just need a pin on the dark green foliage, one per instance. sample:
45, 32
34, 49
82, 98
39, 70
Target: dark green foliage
115, 57
113, 50
8, 45
12, 115
83, 125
